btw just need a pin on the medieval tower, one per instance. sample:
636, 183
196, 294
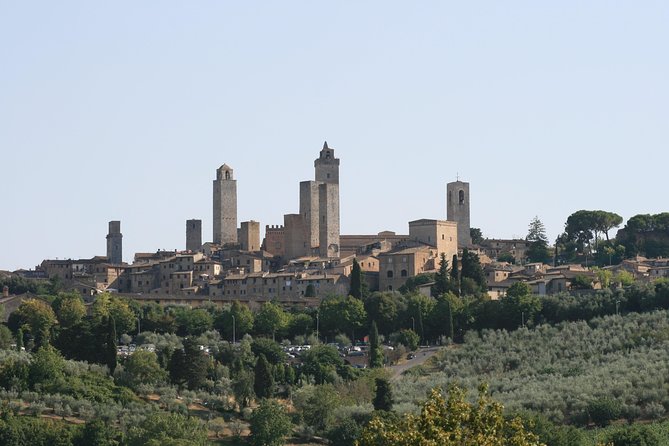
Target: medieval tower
457, 210
225, 207
115, 243
327, 177
193, 235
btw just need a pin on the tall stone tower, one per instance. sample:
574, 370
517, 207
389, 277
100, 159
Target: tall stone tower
327, 176
225, 206
193, 235
457, 210
115, 243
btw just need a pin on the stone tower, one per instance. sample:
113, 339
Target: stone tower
193, 235
225, 206
457, 210
115, 243
327, 176
249, 236
327, 166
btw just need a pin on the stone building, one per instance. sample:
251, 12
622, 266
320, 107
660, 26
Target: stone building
115, 243
457, 210
274, 241
421, 253
193, 235
440, 234
249, 236
225, 207
517, 248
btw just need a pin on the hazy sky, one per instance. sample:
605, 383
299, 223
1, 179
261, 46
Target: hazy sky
123, 111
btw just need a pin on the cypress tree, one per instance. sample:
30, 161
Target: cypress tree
441, 283
455, 275
111, 347
356, 280
263, 384
383, 399
375, 353
19, 340
310, 291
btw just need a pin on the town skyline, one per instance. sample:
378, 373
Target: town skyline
105, 120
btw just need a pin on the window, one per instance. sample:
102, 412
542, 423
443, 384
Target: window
389, 274
403, 273
461, 196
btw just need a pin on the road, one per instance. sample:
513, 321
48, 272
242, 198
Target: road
422, 355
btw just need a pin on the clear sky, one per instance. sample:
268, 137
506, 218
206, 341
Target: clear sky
123, 111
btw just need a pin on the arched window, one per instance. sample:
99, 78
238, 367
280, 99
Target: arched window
227, 174
403, 273
461, 196
389, 274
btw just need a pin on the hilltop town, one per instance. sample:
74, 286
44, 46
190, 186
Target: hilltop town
307, 258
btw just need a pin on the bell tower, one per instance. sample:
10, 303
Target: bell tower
327, 166
457, 210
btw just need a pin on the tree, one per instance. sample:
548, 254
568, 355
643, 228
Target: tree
635, 435
441, 278
310, 291
270, 319
193, 322
172, 429
471, 268
19, 340
5, 337
450, 422
519, 305
356, 281
243, 321
263, 384
317, 405
107, 305
375, 352
37, 318
476, 235
383, 308
321, 362
383, 397
538, 250
455, 275
69, 309
339, 314
270, 425
271, 350
110, 346
242, 386
407, 338
97, 433
47, 366
189, 366
142, 368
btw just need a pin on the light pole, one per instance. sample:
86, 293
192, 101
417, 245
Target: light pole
413, 324
617, 302
317, 322
233, 329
